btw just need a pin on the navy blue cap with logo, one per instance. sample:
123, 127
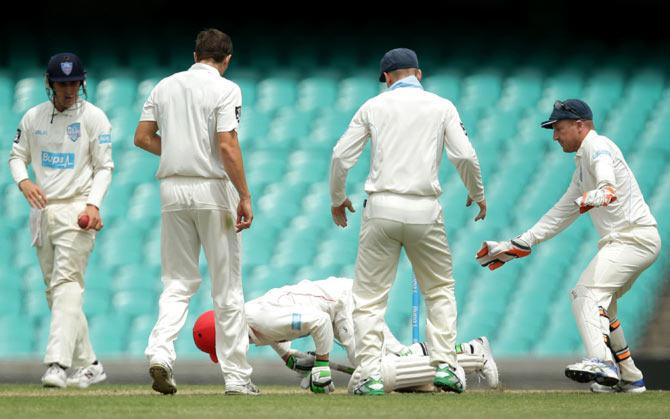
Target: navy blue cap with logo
397, 59
568, 109
65, 67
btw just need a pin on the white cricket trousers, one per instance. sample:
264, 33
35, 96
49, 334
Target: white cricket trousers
621, 258
376, 265
195, 212
63, 253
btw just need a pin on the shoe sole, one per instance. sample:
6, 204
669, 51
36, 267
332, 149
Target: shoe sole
448, 388
587, 377
51, 384
160, 377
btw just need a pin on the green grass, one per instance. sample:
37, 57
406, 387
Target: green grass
124, 401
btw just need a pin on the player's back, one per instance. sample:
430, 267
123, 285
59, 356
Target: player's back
407, 128
188, 106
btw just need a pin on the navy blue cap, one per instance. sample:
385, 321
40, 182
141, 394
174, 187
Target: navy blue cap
568, 109
396, 59
65, 67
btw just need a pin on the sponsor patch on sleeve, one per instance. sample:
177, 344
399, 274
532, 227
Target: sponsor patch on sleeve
296, 321
601, 153
464, 130
18, 136
105, 139
238, 113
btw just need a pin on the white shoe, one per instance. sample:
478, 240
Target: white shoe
84, 377
621, 387
55, 376
602, 372
490, 368
163, 380
248, 389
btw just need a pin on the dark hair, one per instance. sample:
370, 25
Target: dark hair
213, 44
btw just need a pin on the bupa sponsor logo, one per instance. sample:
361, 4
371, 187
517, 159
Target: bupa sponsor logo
296, 321
57, 160
40, 132
74, 131
105, 139
18, 136
601, 153
238, 113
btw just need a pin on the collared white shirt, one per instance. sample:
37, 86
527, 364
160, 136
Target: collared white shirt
190, 107
71, 151
409, 128
598, 162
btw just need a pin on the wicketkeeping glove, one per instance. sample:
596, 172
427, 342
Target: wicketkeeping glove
298, 361
320, 380
496, 254
596, 198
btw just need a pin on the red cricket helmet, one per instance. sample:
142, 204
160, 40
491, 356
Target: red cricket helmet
204, 334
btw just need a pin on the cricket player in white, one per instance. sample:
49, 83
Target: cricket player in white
409, 128
69, 142
603, 185
323, 310
204, 201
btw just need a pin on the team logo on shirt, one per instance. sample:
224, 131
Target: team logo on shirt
238, 113
74, 131
66, 67
18, 136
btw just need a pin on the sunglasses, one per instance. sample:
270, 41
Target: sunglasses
563, 106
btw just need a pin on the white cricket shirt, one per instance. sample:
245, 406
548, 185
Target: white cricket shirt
598, 162
190, 107
71, 151
409, 128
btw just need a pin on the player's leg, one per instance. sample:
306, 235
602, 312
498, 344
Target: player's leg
180, 249
223, 248
610, 274
376, 266
71, 249
428, 251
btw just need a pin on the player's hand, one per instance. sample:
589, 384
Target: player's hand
482, 208
94, 218
596, 198
340, 214
299, 362
244, 214
496, 254
320, 379
33, 193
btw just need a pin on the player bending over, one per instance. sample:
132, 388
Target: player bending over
323, 309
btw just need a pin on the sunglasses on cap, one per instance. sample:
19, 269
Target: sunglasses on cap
560, 105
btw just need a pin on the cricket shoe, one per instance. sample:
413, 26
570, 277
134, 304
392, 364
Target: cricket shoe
490, 368
248, 389
602, 372
372, 386
54, 376
163, 380
84, 377
621, 387
448, 378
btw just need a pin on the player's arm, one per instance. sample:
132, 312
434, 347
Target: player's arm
495, 254
601, 165
462, 155
19, 159
147, 138
146, 133
228, 114
345, 154
101, 161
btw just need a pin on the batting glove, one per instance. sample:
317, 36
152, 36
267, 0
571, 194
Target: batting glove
496, 254
298, 361
320, 379
596, 198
